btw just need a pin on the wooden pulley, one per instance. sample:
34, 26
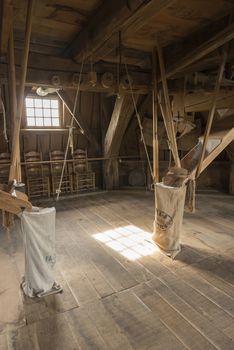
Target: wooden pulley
55, 80
107, 80
76, 79
92, 78
126, 82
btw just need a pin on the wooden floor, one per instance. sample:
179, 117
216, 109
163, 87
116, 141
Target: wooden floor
116, 296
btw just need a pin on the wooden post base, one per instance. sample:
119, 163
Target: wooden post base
231, 179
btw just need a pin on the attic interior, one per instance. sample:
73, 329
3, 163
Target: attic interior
119, 116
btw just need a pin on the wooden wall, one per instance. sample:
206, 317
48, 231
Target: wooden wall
96, 110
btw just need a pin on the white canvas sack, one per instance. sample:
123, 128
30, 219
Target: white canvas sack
38, 227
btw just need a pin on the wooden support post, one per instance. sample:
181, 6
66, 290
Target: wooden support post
16, 134
231, 179
12, 93
155, 118
212, 108
170, 125
121, 116
230, 152
155, 131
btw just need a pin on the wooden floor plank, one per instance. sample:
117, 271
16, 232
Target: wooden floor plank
202, 304
137, 270
52, 333
111, 333
185, 332
197, 319
112, 302
84, 330
11, 308
208, 290
143, 329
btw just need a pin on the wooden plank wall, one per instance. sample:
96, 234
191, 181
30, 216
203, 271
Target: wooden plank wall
97, 108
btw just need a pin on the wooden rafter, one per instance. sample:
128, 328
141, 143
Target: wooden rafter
201, 51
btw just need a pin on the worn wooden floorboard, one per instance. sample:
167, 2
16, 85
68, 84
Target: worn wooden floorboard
192, 316
177, 324
143, 329
221, 319
113, 302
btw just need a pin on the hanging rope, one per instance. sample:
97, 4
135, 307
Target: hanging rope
139, 123
58, 191
71, 113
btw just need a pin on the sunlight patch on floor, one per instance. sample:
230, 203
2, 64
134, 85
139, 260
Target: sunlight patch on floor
129, 241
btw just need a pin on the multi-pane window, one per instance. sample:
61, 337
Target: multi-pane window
42, 112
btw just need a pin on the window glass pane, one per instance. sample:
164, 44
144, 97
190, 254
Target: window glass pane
55, 122
38, 112
39, 121
38, 102
47, 122
54, 104
46, 112
30, 112
42, 112
29, 102
46, 103
31, 121
54, 113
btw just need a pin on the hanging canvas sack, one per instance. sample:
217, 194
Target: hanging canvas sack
170, 210
38, 227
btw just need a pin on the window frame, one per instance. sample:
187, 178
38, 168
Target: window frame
49, 97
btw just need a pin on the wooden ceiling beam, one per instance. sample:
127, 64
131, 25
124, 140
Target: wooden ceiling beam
200, 102
143, 16
40, 77
110, 18
5, 24
131, 57
200, 51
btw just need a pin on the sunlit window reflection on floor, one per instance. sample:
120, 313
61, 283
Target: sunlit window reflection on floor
130, 241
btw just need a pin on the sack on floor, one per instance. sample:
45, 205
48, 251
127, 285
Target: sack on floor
38, 227
170, 210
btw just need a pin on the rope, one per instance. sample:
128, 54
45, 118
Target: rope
139, 123
58, 191
4, 121
72, 114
